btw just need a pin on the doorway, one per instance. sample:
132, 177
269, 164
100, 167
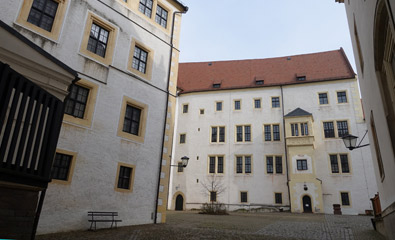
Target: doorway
179, 203
307, 208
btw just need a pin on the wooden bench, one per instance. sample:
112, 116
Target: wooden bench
103, 217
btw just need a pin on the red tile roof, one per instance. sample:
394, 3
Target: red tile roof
322, 66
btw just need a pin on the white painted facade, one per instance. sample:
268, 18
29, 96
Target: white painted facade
371, 27
260, 185
97, 147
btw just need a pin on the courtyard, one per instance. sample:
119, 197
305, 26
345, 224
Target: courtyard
191, 225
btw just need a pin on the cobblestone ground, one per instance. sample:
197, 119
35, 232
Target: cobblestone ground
274, 226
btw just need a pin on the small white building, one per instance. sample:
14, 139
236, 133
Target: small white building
115, 143
266, 133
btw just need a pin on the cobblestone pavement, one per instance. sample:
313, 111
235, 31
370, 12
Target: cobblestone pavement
274, 226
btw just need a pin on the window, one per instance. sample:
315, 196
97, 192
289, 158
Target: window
341, 97
275, 102
183, 137
301, 78
377, 147
294, 129
257, 103
217, 134
185, 108
125, 177
139, 59
133, 120
344, 163
99, 39
329, 131
304, 129
243, 197
61, 166
276, 132
218, 106
243, 164
270, 164
131, 123
243, 133
216, 85
161, 16
201, 111
237, 104
216, 164
77, 101
43, 16
279, 164
269, 134
213, 196
345, 198
180, 168
42, 13
278, 198
301, 164
80, 104
145, 7
323, 97
259, 82
342, 128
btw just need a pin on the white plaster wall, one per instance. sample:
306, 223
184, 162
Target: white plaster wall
98, 147
364, 16
261, 186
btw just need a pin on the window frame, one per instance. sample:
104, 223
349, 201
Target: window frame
241, 196
111, 41
211, 196
89, 107
143, 119
303, 167
222, 106
275, 197
274, 164
243, 164
335, 128
180, 168
216, 164
167, 17
243, 133
201, 111
145, 7
183, 108
254, 103
57, 24
131, 182
319, 99
348, 199
182, 136
147, 75
339, 164
234, 104
218, 135
71, 167
279, 101
346, 96
272, 132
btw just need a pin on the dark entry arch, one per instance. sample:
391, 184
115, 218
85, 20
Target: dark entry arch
307, 208
179, 203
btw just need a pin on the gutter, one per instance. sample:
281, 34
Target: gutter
166, 109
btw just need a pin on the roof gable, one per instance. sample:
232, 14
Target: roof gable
298, 112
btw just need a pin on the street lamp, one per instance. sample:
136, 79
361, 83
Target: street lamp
184, 162
350, 141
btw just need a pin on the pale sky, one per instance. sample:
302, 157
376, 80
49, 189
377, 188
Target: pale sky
214, 30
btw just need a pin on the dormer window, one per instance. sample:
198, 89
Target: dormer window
259, 82
301, 78
216, 85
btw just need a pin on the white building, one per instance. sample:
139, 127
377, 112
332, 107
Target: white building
266, 133
115, 144
372, 31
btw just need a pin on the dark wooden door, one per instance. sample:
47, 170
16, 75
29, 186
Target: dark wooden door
179, 203
307, 208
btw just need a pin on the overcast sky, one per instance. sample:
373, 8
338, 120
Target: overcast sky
215, 30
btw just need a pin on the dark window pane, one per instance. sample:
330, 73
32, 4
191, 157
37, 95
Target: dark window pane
268, 134
161, 16
276, 132
237, 105
131, 122
42, 14
247, 163
304, 129
279, 198
185, 108
140, 60
212, 165
221, 134
342, 128
341, 97
329, 130
344, 163
239, 133
239, 164
182, 138
334, 164
180, 168
294, 129
61, 166
220, 167
213, 196
243, 197
125, 174
98, 38
257, 103
323, 98
214, 134
219, 106
275, 102
76, 101
247, 133
279, 164
269, 164
145, 7
345, 199
301, 164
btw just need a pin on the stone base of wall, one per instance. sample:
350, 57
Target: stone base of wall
17, 212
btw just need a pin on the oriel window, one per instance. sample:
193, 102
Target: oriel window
42, 14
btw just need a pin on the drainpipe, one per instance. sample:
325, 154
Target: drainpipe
166, 108
285, 145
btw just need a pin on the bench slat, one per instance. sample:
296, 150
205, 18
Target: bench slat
104, 220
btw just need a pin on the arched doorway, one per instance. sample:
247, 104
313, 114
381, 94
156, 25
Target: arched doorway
179, 203
307, 208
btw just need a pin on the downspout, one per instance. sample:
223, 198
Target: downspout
166, 108
42, 195
285, 145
